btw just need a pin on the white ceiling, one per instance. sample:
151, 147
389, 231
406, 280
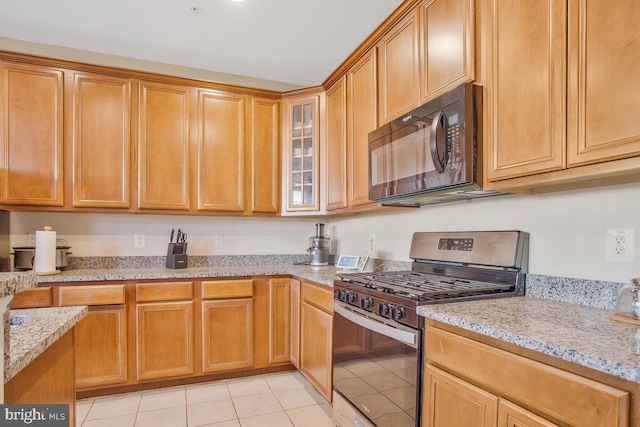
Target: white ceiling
299, 42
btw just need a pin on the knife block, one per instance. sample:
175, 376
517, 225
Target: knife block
176, 256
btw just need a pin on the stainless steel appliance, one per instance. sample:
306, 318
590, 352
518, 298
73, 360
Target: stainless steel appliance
319, 246
377, 353
23, 257
431, 155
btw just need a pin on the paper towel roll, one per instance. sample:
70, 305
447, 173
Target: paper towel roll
45, 261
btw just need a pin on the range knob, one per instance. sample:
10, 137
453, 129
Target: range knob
341, 295
383, 309
352, 297
398, 313
366, 303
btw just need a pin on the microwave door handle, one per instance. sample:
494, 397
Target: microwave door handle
438, 162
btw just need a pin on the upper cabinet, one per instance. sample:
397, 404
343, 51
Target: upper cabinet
336, 164
101, 141
31, 125
428, 52
526, 87
220, 148
264, 156
447, 37
301, 153
399, 68
560, 91
163, 147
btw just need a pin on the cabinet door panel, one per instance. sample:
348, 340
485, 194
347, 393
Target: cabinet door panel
448, 42
399, 83
295, 323
164, 340
525, 102
101, 141
604, 58
221, 151
362, 119
227, 331
451, 402
163, 147
279, 320
316, 332
336, 109
265, 145
101, 347
511, 415
31, 129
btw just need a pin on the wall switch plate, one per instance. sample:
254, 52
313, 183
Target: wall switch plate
218, 240
139, 241
620, 245
372, 241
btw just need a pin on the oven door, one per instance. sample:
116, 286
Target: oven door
377, 367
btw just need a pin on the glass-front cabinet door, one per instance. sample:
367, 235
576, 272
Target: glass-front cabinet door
301, 154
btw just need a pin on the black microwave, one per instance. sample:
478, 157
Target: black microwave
431, 155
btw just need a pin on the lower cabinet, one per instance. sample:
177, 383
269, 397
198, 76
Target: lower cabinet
100, 338
316, 337
469, 383
164, 330
279, 320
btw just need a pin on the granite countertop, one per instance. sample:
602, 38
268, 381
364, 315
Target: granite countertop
12, 283
323, 275
575, 333
31, 338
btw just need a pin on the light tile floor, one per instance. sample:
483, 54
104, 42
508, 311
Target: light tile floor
273, 400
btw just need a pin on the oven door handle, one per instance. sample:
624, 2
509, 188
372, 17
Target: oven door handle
405, 336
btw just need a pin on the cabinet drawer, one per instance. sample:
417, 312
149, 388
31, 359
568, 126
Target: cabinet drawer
32, 298
572, 399
91, 295
166, 291
227, 289
317, 295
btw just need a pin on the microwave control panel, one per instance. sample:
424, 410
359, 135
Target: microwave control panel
453, 136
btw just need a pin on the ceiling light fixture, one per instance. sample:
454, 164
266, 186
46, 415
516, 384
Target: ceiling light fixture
237, 1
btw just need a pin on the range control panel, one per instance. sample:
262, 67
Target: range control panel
455, 244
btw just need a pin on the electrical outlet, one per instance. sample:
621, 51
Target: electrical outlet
31, 239
372, 241
620, 244
218, 240
139, 241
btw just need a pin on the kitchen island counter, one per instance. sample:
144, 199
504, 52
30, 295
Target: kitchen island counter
323, 275
578, 334
14, 282
31, 338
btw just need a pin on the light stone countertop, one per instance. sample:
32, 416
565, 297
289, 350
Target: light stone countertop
575, 333
31, 338
323, 275
14, 282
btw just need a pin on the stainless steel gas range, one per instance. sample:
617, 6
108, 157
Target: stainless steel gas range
377, 350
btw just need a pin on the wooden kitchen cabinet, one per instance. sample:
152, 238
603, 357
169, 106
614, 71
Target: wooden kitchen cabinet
32, 298
31, 129
316, 337
301, 153
279, 320
336, 165
264, 173
163, 157
100, 338
164, 330
221, 151
551, 395
450, 401
294, 355
525, 90
101, 141
227, 325
399, 69
575, 111
362, 118
447, 36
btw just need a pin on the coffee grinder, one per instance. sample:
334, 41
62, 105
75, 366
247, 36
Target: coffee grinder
319, 247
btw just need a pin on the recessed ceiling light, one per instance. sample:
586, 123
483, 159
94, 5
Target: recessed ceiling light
237, 1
